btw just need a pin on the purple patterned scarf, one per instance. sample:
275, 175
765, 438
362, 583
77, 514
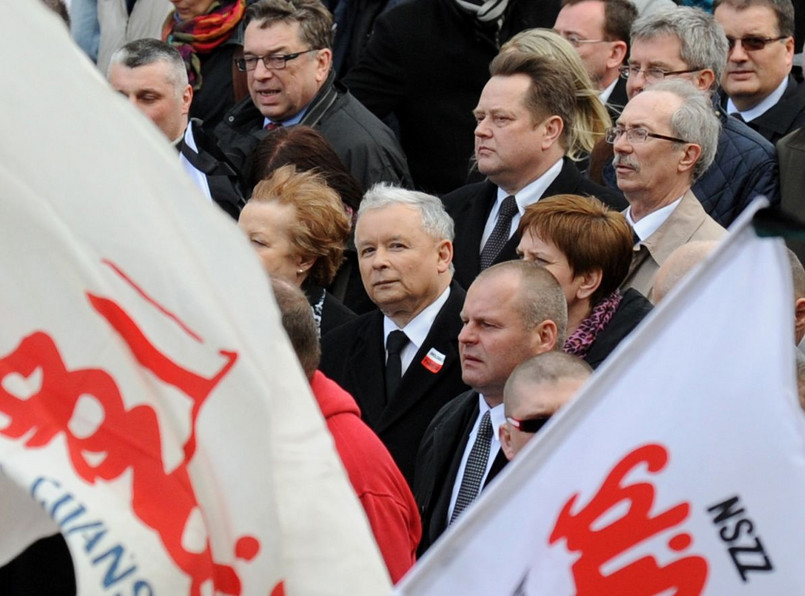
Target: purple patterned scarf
583, 337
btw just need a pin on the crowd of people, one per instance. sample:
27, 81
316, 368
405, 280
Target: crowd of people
467, 205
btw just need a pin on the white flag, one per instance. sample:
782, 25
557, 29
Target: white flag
151, 408
680, 468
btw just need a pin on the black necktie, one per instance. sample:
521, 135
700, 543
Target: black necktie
395, 343
475, 468
500, 234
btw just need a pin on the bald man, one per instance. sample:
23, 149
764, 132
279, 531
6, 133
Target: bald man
534, 392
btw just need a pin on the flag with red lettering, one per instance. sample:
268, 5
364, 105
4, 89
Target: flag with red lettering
151, 408
678, 470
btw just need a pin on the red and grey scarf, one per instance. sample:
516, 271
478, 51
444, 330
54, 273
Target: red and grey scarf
583, 337
203, 33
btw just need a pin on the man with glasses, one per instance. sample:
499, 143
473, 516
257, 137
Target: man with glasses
757, 82
534, 393
599, 30
664, 140
287, 58
687, 43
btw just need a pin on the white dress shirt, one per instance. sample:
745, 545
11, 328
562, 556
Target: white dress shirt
416, 330
528, 194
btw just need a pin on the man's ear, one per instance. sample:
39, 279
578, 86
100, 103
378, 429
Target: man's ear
704, 79
799, 319
546, 334
553, 131
445, 252
691, 156
617, 54
324, 60
187, 99
506, 441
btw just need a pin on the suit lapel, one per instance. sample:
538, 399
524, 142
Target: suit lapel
468, 241
367, 364
452, 443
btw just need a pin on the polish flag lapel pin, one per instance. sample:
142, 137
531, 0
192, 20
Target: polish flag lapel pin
433, 361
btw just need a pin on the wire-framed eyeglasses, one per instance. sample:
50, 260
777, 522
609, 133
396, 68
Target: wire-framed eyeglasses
635, 135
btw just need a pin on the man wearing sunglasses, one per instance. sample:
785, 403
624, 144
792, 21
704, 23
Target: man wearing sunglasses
534, 392
287, 58
757, 82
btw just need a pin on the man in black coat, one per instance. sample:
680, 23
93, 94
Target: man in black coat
151, 74
287, 57
757, 83
403, 239
524, 118
425, 63
513, 311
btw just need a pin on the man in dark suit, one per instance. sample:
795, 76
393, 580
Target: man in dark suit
757, 82
599, 30
405, 252
152, 76
524, 118
513, 311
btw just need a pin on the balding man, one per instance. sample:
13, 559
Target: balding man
513, 310
678, 265
663, 141
534, 392
687, 44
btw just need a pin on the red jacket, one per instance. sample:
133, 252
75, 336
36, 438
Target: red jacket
381, 488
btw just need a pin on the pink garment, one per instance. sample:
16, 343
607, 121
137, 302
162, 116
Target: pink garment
381, 488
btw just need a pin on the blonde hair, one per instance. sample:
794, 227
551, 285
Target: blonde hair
591, 118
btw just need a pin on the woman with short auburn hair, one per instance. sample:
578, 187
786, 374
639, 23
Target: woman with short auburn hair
298, 226
588, 247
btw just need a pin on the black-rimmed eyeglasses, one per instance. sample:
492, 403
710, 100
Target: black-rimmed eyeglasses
529, 425
271, 62
635, 135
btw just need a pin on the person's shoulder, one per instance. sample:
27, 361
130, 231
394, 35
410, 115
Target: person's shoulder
745, 140
351, 329
459, 196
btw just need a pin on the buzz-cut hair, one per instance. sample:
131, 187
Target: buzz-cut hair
142, 52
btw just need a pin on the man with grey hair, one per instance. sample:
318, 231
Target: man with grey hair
401, 363
534, 392
664, 139
287, 58
757, 82
687, 43
513, 311
152, 76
